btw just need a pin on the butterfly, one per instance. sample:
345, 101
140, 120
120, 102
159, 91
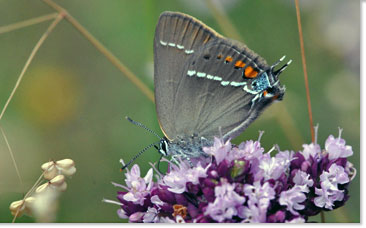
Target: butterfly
206, 85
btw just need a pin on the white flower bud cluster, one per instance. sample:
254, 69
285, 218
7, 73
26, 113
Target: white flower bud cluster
44, 200
23, 206
55, 172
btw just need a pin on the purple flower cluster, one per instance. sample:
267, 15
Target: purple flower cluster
242, 184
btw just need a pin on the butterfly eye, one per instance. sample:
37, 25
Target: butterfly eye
163, 147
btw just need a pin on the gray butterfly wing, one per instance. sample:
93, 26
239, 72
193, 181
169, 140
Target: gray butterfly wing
204, 81
211, 95
177, 37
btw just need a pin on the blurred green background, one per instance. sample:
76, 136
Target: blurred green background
72, 100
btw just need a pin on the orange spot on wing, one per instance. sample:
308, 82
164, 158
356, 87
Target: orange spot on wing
265, 93
219, 56
250, 72
229, 59
239, 64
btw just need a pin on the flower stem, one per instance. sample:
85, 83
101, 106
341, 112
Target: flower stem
30, 192
322, 216
305, 70
29, 60
12, 158
101, 48
26, 23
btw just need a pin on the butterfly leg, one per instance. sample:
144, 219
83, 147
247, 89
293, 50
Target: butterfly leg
257, 97
183, 157
177, 158
189, 161
174, 159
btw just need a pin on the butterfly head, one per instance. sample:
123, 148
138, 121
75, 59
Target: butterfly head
266, 86
163, 147
274, 89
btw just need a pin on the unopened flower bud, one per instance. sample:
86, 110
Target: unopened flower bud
50, 170
59, 183
21, 206
65, 163
42, 188
69, 172
64, 166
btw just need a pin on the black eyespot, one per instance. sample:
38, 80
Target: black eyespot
194, 62
207, 57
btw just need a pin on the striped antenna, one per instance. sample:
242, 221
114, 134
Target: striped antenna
143, 126
138, 155
146, 148
279, 71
